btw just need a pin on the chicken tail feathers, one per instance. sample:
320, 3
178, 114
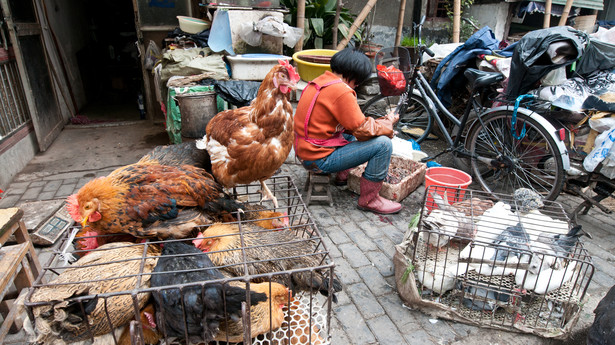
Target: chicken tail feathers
236, 295
223, 204
315, 281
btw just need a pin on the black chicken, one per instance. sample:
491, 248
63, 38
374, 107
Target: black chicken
602, 331
185, 153
200, 307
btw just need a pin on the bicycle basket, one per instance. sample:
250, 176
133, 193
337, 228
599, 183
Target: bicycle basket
394, 68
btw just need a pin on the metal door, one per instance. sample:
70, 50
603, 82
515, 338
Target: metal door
26, 36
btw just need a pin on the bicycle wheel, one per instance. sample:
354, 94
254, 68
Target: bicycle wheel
503, 163
414, 120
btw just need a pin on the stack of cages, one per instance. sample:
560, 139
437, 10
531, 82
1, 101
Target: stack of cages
513, 264
180, 291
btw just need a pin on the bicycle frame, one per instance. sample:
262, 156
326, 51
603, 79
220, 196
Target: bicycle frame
435, 105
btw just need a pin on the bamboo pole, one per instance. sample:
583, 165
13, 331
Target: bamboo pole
547, 19
357, 22
400, 22
300, 23
564, 18
336, 21
456, 20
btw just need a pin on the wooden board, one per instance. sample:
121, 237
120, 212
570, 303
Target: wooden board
53, 228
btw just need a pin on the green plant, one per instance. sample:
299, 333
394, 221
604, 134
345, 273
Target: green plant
410, 41
409, 269
319, 17
414, 221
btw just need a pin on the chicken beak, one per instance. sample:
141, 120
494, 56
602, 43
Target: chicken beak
84, 222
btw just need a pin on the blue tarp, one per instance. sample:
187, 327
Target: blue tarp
481, 42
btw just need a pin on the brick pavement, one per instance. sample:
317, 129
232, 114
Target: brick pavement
361, 244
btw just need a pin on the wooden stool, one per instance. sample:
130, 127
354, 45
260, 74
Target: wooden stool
19, 265
318, 188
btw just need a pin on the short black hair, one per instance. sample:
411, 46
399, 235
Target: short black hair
352, 64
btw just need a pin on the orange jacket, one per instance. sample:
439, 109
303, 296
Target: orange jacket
335, 109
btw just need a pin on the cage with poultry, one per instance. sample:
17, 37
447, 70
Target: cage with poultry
514, 263
151, 291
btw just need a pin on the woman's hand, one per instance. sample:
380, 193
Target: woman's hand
393, 117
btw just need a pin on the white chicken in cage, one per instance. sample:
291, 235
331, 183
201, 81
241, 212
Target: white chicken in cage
445, 222
440, 276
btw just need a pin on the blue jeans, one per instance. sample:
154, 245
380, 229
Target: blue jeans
376, 152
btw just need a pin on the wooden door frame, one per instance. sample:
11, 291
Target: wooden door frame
16, 30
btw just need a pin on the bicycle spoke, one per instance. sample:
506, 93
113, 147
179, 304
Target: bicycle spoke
414, 119
515, 163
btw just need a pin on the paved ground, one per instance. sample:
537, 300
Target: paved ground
369, 310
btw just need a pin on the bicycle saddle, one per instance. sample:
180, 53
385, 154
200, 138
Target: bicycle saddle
478, 79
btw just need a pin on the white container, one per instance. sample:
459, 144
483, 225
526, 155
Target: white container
253, 66
192, 25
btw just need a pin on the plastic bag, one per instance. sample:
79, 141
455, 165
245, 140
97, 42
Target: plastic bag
602, 146
608, 165
237, 92
252, 33
391, 79
601, 124
555, 77
152, 55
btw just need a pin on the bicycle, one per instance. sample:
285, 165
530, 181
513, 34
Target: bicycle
505, 147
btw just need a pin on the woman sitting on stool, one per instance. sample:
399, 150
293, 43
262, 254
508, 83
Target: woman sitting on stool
333, 135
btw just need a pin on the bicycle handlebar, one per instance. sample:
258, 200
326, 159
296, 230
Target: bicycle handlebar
428, 51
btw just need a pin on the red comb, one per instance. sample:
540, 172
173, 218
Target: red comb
72, 206
292, 73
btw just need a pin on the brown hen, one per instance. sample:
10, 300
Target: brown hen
264, 317
114, 267
151, 200
251, 143
267, 252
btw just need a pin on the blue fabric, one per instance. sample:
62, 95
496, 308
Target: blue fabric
376, 152
481, 42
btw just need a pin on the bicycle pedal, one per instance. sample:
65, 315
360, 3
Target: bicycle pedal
426, 159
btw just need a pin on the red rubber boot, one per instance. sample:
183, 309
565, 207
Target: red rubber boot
370, 200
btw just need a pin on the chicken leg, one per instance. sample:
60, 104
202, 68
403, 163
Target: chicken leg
267, 195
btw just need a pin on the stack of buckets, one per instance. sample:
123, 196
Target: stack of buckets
445, 181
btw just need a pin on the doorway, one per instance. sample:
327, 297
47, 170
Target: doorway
109, 64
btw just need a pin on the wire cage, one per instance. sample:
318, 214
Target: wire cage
394, 67
515, 264
163, 291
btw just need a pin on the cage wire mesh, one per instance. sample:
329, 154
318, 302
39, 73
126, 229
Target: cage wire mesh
108, 293
515, 264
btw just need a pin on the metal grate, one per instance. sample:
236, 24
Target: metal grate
504, 273
109, 302
13, 108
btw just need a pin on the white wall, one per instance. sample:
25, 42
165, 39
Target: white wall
492, 15
16, 158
